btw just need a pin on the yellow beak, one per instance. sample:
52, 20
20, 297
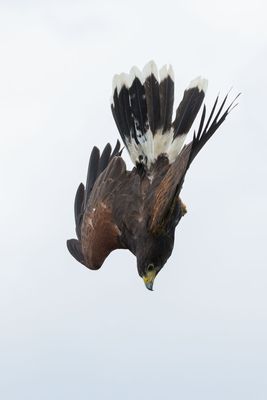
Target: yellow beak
149, 279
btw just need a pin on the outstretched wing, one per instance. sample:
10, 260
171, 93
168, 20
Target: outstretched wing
171, 184
97, 166
100, 233
111, 218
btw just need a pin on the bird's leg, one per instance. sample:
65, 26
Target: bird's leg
182, 206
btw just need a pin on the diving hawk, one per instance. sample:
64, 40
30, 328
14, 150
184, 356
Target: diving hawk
139, 209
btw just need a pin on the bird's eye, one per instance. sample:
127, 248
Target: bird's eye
150, 267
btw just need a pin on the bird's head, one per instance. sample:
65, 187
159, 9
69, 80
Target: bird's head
152, 255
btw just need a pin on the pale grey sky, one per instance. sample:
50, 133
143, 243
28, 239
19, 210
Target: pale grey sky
70, 333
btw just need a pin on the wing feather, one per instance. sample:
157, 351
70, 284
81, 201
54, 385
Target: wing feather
75, 249
171, 184
78, 209
98, 165
100, 233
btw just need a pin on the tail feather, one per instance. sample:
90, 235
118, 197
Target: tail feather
151, 84
138, 105
166, 94
125, 110
142, 107
189, 106
129, 109
122, 111
116, 113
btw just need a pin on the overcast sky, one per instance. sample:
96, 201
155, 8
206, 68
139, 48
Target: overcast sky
70, 333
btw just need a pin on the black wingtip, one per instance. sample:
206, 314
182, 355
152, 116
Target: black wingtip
79, 204
211, 126
75, 249
92, 171
116, 149
79, 200
97, 163
104, 158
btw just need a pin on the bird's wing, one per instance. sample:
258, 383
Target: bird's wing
89, 195
99, 231
171, 184
113, 205
163, 194
75, 248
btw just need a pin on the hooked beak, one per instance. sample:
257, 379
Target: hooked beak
149, 279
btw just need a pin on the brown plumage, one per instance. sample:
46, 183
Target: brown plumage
139, 209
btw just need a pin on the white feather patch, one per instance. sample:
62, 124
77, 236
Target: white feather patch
114, 82
200, 83
145, 148
171, 72
163, 72
149, 69
149, 147
134, 73
176, 147
121, 80
162, 143
134, 150
166, 71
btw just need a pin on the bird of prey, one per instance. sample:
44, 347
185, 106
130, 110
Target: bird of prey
139, 209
